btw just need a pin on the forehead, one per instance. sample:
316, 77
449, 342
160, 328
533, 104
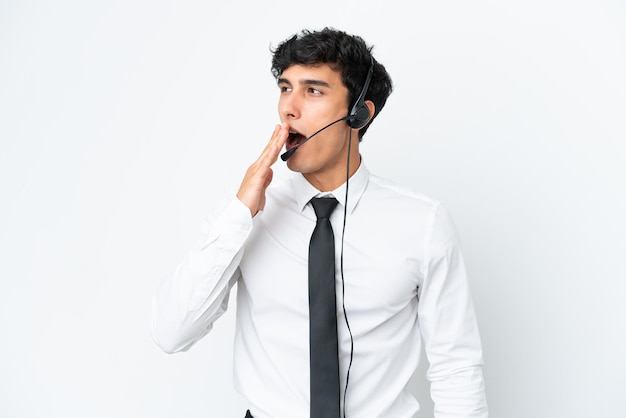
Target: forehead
307, 74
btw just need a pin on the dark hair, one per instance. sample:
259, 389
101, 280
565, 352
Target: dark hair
347, 54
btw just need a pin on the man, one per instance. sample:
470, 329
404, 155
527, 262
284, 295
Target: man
399, 276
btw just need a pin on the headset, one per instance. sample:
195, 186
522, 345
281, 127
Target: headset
360, 113
357, 118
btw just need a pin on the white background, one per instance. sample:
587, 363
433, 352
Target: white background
120, 119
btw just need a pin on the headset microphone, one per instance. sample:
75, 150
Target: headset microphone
285, 156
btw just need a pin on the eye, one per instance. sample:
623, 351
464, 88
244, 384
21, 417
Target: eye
315, 91
284, 88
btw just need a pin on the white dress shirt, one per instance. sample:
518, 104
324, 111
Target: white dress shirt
404, 282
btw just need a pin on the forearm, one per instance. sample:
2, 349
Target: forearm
460, 394
193, 296
450, 328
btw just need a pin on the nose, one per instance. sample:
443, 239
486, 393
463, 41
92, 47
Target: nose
289, 106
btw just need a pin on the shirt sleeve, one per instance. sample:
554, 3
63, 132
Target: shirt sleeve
449, 327
195, 294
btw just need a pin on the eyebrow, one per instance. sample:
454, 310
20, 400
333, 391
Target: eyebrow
305, 82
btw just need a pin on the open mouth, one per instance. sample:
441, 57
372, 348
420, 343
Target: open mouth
295, 138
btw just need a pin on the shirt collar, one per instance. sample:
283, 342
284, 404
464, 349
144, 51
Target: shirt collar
304, 191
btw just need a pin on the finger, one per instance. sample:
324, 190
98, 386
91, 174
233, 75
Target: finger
281, 139
270, 144
282, 135
271, 151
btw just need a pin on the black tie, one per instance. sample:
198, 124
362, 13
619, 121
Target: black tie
323, 314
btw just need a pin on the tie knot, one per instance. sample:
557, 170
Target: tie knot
323, 206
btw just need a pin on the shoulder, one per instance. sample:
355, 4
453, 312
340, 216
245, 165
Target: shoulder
413, 207
393, 194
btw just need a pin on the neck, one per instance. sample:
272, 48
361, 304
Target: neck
327, 182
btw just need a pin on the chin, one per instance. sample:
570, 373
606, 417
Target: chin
292, 164
298, 165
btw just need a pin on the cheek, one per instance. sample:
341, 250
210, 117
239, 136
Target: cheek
330, 142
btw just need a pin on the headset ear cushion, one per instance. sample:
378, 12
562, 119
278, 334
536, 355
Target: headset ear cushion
359, 116
360, 113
